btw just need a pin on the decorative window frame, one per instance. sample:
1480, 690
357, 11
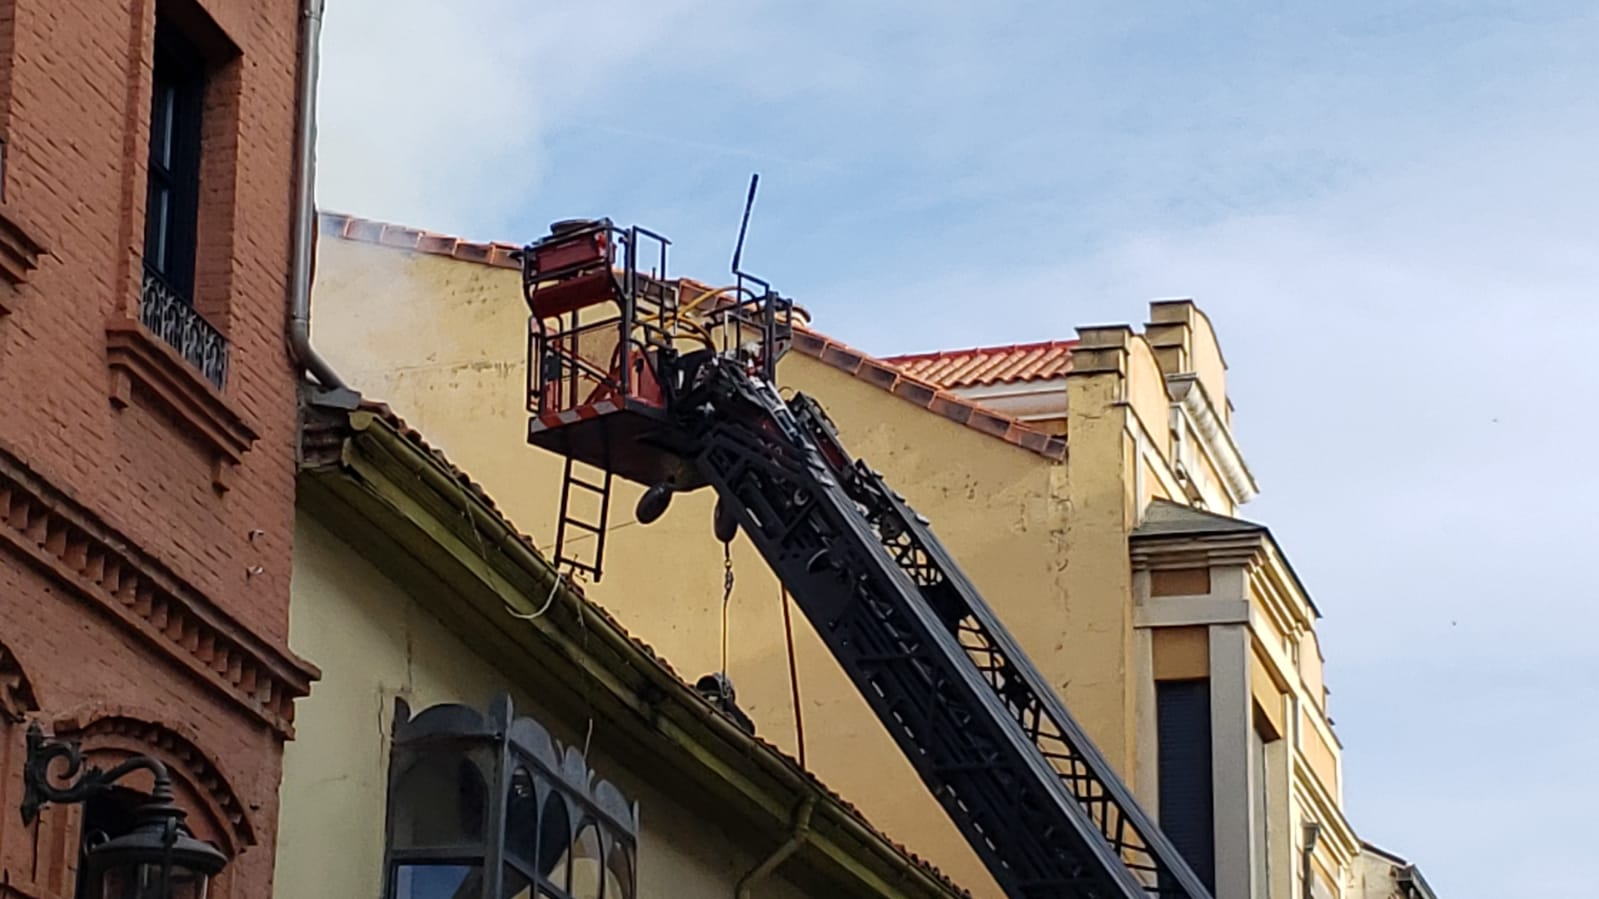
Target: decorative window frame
172, 353
528, 777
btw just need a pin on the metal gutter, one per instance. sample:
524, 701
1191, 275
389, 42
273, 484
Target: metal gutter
305, 355
801, 832
906, 877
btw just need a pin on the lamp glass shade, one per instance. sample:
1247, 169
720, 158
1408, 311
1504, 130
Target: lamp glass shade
155, 862
146, 881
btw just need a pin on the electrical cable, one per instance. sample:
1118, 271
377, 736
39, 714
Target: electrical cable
711, 294
793, 681
555, 585
727, 596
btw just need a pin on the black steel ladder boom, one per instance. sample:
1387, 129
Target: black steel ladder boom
1018, 776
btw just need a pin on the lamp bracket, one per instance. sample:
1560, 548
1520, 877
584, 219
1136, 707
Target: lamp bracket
77, 782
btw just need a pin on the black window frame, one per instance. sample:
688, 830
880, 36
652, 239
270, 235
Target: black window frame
172, 191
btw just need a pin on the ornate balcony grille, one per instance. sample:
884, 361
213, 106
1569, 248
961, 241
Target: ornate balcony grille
172, 318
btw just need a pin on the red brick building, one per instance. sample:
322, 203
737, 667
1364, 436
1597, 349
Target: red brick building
147, 412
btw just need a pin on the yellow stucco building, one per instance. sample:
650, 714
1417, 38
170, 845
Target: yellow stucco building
1089, 488
409, 586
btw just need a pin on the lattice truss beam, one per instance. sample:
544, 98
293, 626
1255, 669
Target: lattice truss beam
993, 742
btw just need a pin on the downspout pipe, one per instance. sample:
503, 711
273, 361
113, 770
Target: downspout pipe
796, 838
306, 358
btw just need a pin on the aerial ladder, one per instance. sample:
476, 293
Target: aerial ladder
673, 387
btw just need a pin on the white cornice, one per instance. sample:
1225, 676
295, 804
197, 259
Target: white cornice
1316, 797
1215, 437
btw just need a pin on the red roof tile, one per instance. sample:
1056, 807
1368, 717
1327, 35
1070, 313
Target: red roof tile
897, 379
400, 237
989, 365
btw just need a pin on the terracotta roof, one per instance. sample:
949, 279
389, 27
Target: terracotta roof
990, 365
400, 237
885, 374
322, 437
893, 378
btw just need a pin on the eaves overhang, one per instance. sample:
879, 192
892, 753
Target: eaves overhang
1174, 535
392, 497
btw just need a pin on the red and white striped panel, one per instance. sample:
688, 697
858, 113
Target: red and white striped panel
553, 420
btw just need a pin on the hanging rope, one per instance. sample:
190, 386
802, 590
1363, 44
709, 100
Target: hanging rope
727, 596
793, 681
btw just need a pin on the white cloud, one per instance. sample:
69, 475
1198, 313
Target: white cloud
436, 114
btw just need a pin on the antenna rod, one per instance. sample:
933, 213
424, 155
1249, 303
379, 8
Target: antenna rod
749, 203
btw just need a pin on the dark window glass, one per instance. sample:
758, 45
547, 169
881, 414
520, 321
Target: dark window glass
437, 882
555, 835
177, 95
516, 885
440, 801
522, 819
1182, 720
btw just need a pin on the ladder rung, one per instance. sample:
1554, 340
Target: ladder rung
591, 528
586, 485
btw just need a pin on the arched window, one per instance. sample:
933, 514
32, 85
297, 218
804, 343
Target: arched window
555, 839
558, 833
588, 864
440, 801
110, 736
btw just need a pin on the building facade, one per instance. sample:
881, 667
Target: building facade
1078, 483
411, 587
1379, 874
146, 437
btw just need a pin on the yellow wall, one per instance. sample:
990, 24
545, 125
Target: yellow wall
1146, 389
1310, 669
1208, 364
374, 643
444, 343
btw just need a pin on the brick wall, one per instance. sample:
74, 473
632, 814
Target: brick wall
131, 455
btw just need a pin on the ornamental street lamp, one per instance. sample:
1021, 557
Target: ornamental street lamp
157, 859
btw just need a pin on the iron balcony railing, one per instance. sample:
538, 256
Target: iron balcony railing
171, 317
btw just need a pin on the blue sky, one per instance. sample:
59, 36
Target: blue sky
1388, 210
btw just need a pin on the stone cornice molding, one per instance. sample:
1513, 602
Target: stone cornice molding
1162, 552
70, 544
1215, 437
